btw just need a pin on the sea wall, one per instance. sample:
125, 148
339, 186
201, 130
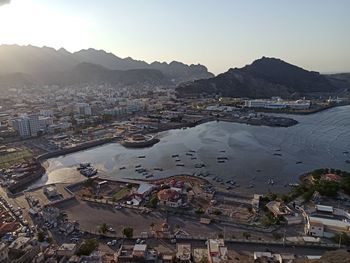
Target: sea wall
80, 147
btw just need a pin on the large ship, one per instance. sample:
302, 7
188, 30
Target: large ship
139, 141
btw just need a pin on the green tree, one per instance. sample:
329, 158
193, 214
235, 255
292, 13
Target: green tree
153, 202
103, 228
204, 259
276, 235
246, 235
87, 247
41, 236
345, 184
128, 232
342, 239
199, 211
327, 188
308, 194
217, 212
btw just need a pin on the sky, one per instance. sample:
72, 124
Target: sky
220, 34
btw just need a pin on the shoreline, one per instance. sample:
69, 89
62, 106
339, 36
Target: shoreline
91, 144
307, 112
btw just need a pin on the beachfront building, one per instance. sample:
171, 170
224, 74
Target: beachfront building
325, 221
144, 190
279, 209
169, 197
278, 103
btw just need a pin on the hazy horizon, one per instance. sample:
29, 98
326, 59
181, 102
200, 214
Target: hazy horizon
312, 35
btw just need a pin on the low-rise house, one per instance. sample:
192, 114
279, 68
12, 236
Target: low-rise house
66, 250
50, 191
293, 219
183, 252
139, 251
258, 256
217, 251
143, 191
20, 244
277, 208
136, 253
68, 227
169, 197
200, 254
50, 214
273, 258
325, 221
4, 251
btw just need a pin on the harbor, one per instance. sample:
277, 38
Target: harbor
248, 155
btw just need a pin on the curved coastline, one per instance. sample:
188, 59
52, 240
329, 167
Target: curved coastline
89, 145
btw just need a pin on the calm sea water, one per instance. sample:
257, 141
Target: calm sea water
319, 140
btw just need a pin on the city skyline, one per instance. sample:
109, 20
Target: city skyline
312, 35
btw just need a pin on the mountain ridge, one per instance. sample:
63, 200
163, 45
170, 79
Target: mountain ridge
33, 60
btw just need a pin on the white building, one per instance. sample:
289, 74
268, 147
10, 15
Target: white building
21, 125
326, 221
83, 109
34, 124
278, 103
46, 113
27, 125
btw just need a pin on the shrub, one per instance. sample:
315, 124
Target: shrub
128, 232
87, 247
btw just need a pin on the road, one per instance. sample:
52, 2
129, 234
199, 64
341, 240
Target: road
241, 247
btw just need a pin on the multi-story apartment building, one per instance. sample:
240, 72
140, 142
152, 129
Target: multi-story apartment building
27, 125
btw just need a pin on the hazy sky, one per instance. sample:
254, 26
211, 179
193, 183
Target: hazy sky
220, 34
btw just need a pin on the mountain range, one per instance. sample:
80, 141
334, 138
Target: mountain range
264, 78
35, 65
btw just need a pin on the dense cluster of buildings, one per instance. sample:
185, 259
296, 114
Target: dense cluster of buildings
52, 109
